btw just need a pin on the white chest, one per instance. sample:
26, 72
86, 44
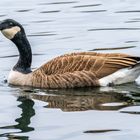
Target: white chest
17, 78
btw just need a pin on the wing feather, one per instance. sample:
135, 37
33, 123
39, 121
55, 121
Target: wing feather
87, 61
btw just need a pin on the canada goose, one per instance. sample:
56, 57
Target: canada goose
69, 70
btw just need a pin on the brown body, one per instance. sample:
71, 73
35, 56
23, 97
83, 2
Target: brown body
79, 69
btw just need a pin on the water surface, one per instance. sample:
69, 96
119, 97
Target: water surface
55, 27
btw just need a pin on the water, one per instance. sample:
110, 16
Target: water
55, 27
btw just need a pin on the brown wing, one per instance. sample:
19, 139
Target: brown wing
81, 69
99, 63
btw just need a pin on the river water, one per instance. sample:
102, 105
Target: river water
55, 27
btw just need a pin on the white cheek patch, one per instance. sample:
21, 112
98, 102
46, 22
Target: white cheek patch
11, 32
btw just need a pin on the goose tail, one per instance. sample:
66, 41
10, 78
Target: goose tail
122, 76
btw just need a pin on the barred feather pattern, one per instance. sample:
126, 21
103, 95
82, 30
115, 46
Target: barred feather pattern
69, 102
80, 69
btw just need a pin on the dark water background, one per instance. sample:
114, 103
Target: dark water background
55, 27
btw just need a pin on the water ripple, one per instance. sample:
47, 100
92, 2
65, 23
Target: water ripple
93, 11
136, 19
3, 15
91, 5
54, 11
56, 3
131, 112
115, 48
133, 11
131, 21
26, 10
113, 29
10, 56
101, 131
51, 33
48, 34
42, 21
131, 41
68, 37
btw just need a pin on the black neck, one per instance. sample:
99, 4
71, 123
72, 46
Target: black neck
25, 54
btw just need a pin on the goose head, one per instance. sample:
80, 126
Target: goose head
14, 31
10, 28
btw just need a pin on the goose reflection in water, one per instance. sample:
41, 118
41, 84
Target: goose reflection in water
81, 99
23, 122
82, 103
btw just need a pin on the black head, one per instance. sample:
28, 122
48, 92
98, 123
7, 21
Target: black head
10, 28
